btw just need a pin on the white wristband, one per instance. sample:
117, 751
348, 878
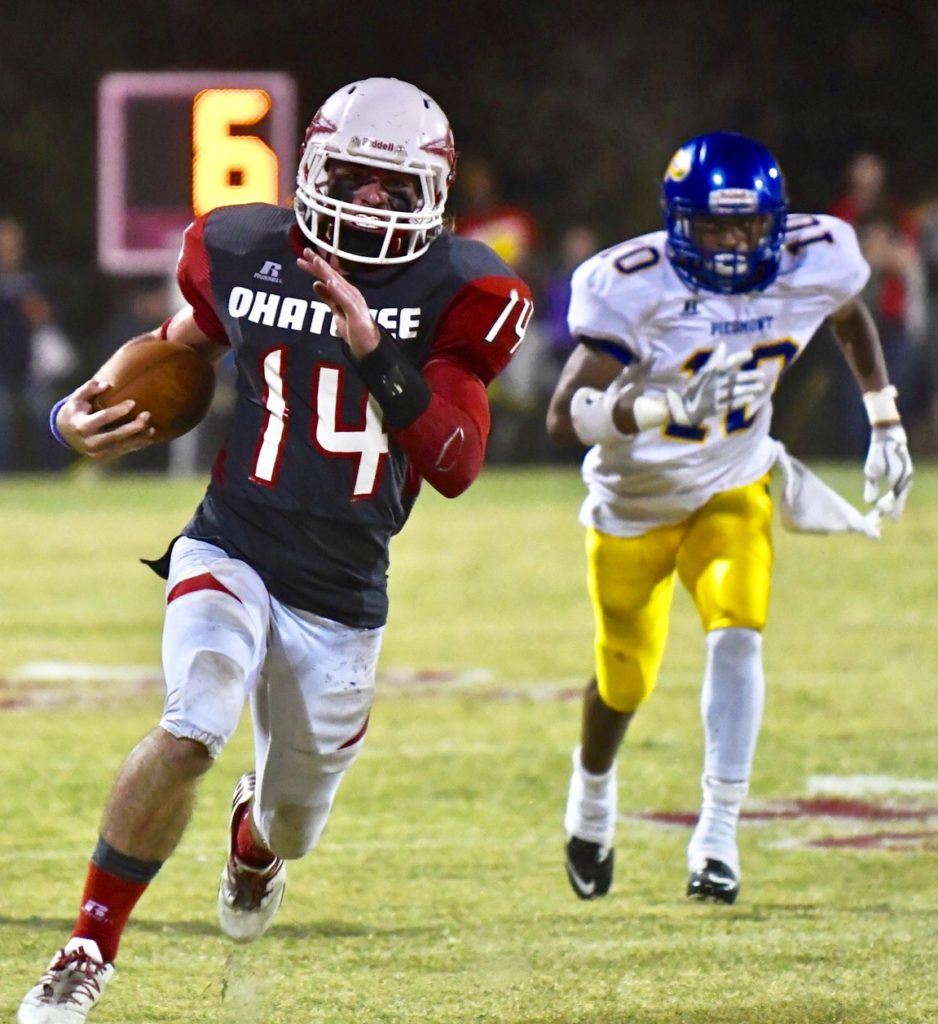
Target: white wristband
881, 406
591, 416
650, 411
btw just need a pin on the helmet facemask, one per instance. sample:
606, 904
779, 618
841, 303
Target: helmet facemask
701, 260
328, 221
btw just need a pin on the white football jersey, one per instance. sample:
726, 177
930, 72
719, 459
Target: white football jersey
630, 298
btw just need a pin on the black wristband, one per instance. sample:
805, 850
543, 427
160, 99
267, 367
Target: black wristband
396, 384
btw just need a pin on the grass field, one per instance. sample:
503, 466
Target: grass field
438, 894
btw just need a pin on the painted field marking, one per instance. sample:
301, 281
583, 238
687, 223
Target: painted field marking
837, 810
47, 684
51, 672
55, 683
868, 785
817, 808
900, 842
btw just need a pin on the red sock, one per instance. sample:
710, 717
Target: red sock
248, 850
106, 905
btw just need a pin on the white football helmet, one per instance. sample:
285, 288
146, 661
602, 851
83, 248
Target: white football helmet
384, 123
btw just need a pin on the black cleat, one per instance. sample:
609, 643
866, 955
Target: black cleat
589, 872
714, 881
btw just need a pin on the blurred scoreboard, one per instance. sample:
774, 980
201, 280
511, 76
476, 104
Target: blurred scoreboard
176, 144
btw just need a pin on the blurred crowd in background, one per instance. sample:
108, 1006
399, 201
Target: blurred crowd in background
44, 351
575, 109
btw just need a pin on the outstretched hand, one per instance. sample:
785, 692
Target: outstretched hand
721, 385
92, 433
888, 470
353, 320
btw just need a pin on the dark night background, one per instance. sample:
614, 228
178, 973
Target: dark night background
578, 107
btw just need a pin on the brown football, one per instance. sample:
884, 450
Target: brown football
170, 381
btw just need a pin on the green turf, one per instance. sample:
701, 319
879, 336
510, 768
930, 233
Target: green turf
437, 894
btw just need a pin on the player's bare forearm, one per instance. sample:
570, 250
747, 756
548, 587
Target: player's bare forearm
586, 369
856, 334
183, 328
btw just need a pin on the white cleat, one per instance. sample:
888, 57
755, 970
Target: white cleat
71, 986
248, 898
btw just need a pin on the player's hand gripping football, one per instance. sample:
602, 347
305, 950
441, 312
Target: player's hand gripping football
719, 386
888, 463
93, 433
353, 321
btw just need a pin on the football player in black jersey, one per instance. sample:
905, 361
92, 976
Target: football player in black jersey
364, 336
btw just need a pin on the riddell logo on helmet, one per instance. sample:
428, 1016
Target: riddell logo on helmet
388, 147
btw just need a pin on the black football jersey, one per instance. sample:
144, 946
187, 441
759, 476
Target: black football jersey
309, 487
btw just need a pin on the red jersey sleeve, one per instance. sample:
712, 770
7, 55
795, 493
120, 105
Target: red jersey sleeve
192, 274
483, 326
475, 338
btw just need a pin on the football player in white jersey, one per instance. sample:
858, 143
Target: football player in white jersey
683, 335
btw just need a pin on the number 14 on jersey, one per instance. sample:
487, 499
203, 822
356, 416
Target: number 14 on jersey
368, 444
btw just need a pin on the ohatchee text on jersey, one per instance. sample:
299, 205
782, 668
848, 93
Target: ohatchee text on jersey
310, 485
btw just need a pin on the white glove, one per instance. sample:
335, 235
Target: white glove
720, 385
888, 462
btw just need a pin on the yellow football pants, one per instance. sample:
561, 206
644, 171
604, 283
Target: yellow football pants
723, 555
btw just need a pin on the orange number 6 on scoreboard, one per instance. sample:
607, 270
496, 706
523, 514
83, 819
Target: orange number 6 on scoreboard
228, 168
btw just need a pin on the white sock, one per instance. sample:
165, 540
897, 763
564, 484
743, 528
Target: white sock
591, 804
731, 708
715, 834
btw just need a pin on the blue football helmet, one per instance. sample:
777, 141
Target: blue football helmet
724, 207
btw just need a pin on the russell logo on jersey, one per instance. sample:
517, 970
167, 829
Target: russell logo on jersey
270, 271
725, 327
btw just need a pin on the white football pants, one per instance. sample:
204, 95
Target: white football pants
309, 681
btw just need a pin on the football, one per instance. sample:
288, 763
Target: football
170, 381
